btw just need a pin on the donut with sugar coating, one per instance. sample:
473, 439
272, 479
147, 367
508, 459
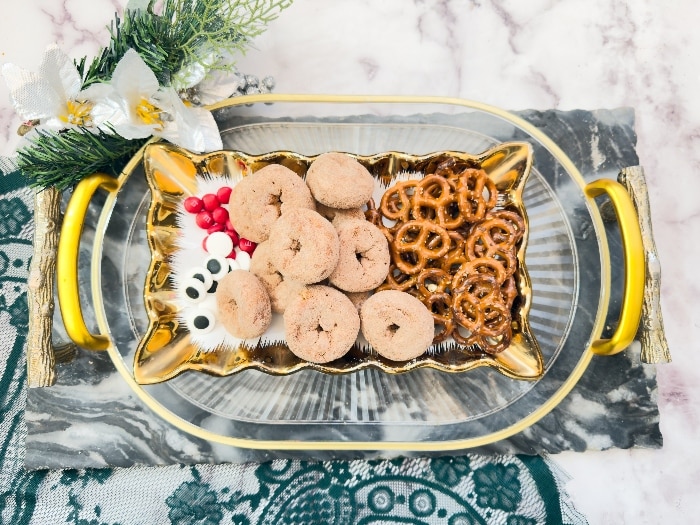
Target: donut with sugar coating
397, 325
364, 258
339, 181
321, 324
243, 304
306, 246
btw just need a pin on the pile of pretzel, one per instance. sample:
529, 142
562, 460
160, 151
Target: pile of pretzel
452, 249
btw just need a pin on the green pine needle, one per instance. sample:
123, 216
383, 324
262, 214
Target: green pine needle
63, 159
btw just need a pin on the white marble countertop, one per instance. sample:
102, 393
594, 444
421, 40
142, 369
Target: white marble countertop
540, 54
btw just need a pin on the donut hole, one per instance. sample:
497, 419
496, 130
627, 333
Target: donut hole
275, 199
295, 245
393, 328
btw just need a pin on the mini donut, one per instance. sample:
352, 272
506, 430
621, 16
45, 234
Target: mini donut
243, 304
364, 258
339, 181
259, 199
337, 216
305, 245
397, 325
279, 289
321, 324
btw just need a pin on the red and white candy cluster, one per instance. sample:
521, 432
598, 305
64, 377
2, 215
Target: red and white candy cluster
212, 216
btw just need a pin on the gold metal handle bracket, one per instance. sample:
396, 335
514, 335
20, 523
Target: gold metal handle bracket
67, 261
633, 254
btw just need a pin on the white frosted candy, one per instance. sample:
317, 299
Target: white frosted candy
218, 266
193, 290
202, 274
243, 260
201, 321
218, 243
234, 264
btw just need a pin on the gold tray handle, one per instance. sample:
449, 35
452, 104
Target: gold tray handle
633, 253
67, 261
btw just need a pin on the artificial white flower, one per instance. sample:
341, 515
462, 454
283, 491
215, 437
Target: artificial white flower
209, 79
139, 107
53, 95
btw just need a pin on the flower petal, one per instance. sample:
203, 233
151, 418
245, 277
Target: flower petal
133, 79
32, 96
191, 128
219, 85
60, 71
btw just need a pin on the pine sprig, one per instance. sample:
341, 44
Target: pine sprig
176, 35
63, 159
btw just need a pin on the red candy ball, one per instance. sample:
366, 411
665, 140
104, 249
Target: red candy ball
218, 227
204, 220
220, 215
210, 201
224, 194
247, 246
234, 236
194, 204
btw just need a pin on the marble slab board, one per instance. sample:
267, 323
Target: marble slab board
90, 418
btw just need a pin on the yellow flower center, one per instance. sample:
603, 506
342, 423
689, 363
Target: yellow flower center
149, 113
78, 113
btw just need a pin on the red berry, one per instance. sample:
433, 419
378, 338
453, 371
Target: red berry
234, 237
204, 220
218, 227
247, 246
194, 204
220, 215
224, 194
210, 202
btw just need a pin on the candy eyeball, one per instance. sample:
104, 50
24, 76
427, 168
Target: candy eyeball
194, 290
201, 321
218, 266
201, 274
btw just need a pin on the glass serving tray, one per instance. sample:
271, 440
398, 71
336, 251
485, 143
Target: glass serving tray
567, 260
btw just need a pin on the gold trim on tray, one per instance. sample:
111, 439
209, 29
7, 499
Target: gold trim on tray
166, 350
290, 444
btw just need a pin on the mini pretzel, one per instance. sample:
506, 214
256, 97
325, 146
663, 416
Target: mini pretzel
434, 199
472, 186
514, 219
396, 201
480, 266
480, 244
478, 308
440, 306
433, 281
413, 245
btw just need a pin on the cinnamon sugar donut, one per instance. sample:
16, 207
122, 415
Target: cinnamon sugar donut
259, 199
305, 244
397, 325
339, 181
280, 290
321, 324
243, 304
364, 258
